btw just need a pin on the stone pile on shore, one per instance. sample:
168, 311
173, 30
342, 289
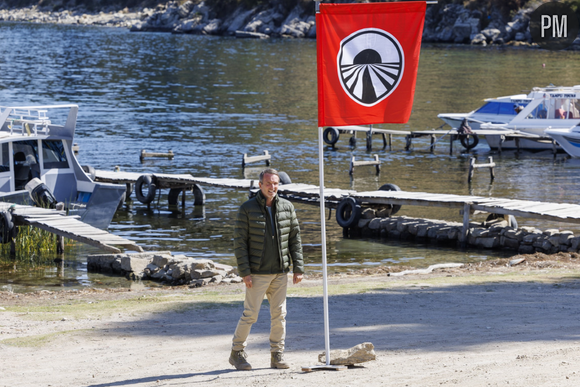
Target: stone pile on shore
495, 234
444, 23
164, 267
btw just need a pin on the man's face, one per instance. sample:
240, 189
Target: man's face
269, 185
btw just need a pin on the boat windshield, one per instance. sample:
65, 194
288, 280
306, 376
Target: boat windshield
53, 154
556, 108
494, 107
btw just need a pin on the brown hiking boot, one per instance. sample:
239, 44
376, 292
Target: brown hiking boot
238, 360
277, 360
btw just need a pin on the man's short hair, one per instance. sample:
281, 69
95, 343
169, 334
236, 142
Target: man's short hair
269, 171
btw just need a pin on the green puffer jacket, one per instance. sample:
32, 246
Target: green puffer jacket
249, 238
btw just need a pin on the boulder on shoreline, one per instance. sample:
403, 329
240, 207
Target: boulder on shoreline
164, 267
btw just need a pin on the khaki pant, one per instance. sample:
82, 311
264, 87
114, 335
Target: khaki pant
274, 287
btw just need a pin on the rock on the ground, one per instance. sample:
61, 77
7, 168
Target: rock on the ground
360, 353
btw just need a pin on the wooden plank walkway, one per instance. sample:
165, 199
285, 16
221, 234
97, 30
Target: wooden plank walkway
560, 212
309, 194
57, 222
170, 179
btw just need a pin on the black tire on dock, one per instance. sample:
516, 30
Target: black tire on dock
173, 196
330, 135
198, 195
6, 227
90, 171
284, 178
145, 183
348, 213
352, 141
391, 187
469, 141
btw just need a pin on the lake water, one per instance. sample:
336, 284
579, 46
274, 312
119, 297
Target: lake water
212, 99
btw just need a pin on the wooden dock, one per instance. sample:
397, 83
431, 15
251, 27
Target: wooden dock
332, 134
57, 222
310, 194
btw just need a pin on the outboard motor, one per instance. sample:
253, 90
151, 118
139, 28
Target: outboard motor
40, 193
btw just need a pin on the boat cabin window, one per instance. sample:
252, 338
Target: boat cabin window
557, 108
540, 112
53, 154
25, 155
4, 158
493, 107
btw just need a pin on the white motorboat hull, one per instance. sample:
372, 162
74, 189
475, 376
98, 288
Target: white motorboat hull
475, 121
494, 143
568, 139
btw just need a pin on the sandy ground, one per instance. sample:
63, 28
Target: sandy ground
482, 325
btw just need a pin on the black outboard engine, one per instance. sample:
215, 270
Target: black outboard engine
40, 194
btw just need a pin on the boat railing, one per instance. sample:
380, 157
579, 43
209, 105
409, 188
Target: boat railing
28, 120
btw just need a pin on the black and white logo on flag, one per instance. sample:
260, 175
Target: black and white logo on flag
370, 65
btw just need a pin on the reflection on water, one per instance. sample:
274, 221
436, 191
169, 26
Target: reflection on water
212, 99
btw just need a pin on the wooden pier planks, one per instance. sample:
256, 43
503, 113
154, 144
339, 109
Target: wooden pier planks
309, 193
69, 227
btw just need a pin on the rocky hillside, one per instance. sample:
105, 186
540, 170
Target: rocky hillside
476, 22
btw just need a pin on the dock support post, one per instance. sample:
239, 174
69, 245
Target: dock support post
376, 163
370, 138
473, 166
501, 141
471, 169
408, 143
13, 246
59, 239
451, 139
432, 147
352, 139
465, 229
59, 244
253, 159
384, 141
390, 141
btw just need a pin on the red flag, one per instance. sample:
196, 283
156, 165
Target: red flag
368, 56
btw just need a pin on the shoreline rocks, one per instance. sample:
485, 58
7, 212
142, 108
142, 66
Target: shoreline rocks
494, 234
164, 267
445, 23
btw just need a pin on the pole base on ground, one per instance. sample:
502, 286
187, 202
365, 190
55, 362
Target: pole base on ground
324, 368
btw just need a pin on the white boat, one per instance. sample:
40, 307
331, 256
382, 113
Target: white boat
543, 108
38, 165
550, 108
568, 139
500, 110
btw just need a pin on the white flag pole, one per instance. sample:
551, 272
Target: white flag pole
323, 244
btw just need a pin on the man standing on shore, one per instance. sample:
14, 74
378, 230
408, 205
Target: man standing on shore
266, 242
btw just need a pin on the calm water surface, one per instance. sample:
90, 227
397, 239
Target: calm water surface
212, 99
